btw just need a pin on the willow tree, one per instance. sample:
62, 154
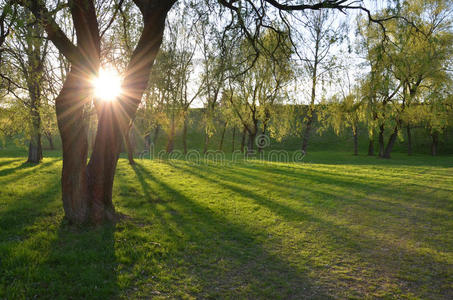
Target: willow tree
87, 188
415, 51
253, 95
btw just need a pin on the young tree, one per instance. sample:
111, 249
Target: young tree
25, 55
322, 33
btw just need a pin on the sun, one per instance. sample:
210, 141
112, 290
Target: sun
107, 86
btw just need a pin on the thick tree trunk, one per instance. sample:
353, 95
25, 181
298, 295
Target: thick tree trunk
409, 140
244, 132
434, 143
222, 137
381, 141
103, 161
390, 143
184, 134
73, 131
234, 138
371, 147
356, 142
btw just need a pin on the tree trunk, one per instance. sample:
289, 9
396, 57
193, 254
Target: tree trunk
130, 145
381, 141
222, 136
234, 138
371, 147
356, 142
50, 140
251, 142
148, 141
206, 142
156, 134
35, 147
409, 140
184, 134
434, 144
244, 132
73, 131
314, 79
390, 143
103, 161
171, 136
307, 130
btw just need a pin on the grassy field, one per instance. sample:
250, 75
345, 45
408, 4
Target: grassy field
334, 226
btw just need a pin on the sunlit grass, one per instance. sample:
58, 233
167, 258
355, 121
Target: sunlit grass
335, 226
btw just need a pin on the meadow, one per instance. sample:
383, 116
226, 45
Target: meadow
331, 226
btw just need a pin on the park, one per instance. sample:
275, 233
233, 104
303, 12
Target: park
231, 149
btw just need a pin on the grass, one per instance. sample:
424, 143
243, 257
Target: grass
335, 226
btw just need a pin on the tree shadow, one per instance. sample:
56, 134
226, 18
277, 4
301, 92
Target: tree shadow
8, 175
61, 262
42, 256
344, 238
228, 259
8, 161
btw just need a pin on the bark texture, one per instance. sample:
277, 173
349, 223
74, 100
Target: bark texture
391, 143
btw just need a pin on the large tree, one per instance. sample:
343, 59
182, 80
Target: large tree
87, 188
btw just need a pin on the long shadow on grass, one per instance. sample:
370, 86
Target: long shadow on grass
398, 160
351, 184
73, 263
345, 197
344, 239
403, 209
23, 170
227, 259
22, 209
8, 161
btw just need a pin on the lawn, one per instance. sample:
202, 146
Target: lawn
333, 226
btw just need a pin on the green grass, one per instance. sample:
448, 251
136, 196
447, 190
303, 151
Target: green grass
335, 226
